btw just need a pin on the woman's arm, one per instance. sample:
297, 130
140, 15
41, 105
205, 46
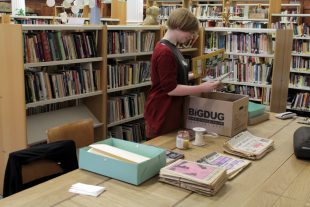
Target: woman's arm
184, 90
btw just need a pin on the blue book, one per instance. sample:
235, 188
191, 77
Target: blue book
255, 109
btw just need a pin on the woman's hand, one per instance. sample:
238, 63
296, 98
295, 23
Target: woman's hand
211, 85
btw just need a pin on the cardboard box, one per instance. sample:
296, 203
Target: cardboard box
134, 173
223, 113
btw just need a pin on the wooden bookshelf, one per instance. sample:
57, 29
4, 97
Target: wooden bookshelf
281, 62
117, 58
299, 71
19, 130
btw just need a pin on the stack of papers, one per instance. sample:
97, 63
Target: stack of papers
249, 146
85, 189
200, 178
232, 165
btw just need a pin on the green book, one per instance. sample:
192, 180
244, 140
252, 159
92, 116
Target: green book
255, 109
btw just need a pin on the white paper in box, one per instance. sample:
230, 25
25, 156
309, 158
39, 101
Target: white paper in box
223, 113
134, 173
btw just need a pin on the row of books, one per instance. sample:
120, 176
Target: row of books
255, 93
45, 85
134, 132
234, 24
301, 46
251, 91
33, 21
250, 43
301, 101
300, 80
126, 106
298, 30
206, 10
130, 42
165, 10
289, 18
129, 73
300, 63
251, 72
45, 46
240, 42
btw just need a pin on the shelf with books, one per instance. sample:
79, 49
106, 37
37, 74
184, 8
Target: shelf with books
299, 75
128, 51
46, 20
299, 102
62, 70
128, 87
256, 57
63, 62
63, 99
126, 120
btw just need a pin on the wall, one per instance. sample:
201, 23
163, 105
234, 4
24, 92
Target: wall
39, 7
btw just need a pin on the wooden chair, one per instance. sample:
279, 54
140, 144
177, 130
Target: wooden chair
28, 167
81, 132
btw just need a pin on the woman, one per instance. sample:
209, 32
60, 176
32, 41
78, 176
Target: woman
169, 76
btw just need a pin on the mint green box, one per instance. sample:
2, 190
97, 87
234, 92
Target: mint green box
134, 173
255, 109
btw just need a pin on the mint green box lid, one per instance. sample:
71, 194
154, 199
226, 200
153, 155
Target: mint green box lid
134, 173
255, 109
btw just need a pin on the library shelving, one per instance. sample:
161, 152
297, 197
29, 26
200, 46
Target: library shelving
128, 53
50, 75
62, 70
55, 20
299, 77
254, 55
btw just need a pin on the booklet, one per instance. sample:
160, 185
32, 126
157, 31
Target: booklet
248, 145
232, 164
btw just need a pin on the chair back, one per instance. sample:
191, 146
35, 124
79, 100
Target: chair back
81, 132
36, 164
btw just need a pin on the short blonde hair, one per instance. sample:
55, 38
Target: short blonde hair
183, 20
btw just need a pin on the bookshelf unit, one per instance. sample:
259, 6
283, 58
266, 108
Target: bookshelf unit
58, 80
246, 48
299, 77
39, 20
128, 53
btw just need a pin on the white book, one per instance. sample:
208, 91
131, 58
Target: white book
117, 153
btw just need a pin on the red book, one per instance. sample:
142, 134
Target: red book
45, 46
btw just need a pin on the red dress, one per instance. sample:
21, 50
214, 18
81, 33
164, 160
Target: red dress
164, 113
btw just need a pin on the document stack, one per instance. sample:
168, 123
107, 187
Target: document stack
249, 146
232, 164
200, 178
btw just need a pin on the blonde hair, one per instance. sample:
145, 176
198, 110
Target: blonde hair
183, 20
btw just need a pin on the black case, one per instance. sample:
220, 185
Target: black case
302, 143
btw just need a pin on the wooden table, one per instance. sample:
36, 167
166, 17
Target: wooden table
278, 179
